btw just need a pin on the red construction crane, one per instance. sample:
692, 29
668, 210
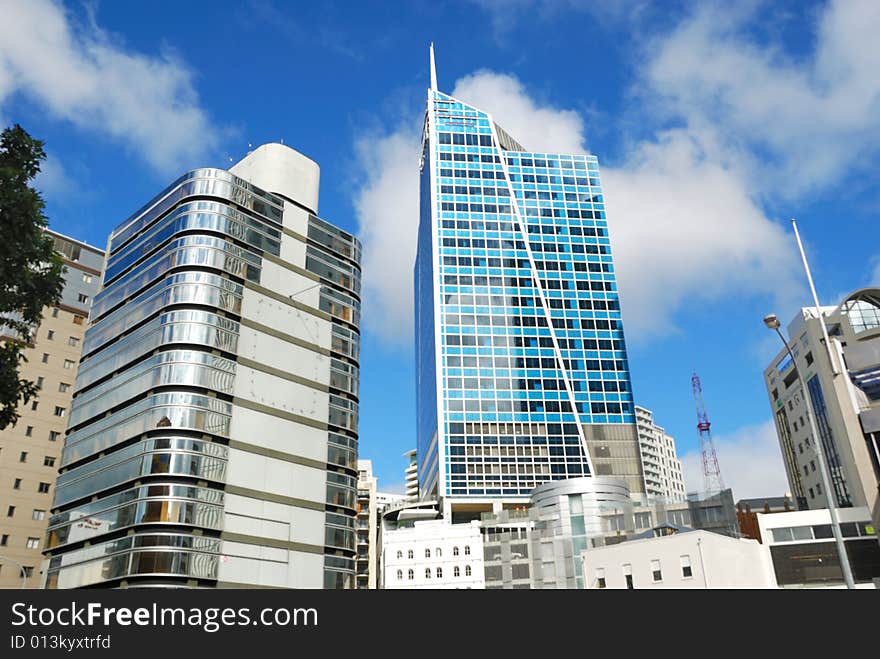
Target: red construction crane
711, 471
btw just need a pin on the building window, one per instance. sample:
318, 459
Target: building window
87, 278
54, 435
55, 312
427, 553
50, 335
33, 543
456, 572
410, 575
455, 551
83, 298
4, 539
656, 572
399, 554
40, 382
438, 552
17, 484
812, 466
29, 431
467, 550
10, 512
73, 341
35, 404
600, 578
59, 411
627, 574
427, 573
45, 357
409, 554
63, 387
818, 488
400, 575
812, 496
467, 570
68, 363
28, 570
78, 320
43, 488
38, 514
439, 572
23, 457
686, 571
48, 461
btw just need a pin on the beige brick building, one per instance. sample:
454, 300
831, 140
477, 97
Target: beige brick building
30, 451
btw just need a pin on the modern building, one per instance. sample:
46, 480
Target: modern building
411, 476
804, 551
433, 554
212, 440
30, 451
367, 526
843, 383
671, 556
660, 464
747, 513
521, 365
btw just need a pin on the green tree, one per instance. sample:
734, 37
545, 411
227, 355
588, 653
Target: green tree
31, 272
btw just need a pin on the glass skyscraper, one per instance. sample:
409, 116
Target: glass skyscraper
212, 439
522, 373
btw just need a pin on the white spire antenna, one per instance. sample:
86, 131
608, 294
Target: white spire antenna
433, 70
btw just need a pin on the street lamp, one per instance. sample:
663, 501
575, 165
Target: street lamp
20, 567
772, 322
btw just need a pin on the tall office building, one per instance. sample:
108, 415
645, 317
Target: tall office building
660, 464
31, 449
212, 440
845, 395
522, 373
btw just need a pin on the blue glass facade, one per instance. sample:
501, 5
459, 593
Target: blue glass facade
519, 340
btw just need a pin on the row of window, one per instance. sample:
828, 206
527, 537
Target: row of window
77, 319
438, 572
59, 411
68, 363
53, 434
438, 552
71, 340
656, 572
30, 543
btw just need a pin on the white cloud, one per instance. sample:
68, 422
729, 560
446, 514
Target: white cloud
537, 127
387, 208
807, 122
79, 74
684, 227
750, 461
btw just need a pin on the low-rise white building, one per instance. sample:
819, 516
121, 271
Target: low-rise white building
679, 557
804, 552
433, 554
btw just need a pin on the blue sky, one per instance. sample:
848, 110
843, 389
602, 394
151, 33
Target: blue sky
713, 125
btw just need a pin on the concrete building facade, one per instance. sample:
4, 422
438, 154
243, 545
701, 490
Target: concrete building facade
660, 464
433, 554
844, 390
671, 557
212, 440
804, 552
367, 526
30, 451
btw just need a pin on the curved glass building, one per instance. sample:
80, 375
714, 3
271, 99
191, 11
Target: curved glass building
212, 440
